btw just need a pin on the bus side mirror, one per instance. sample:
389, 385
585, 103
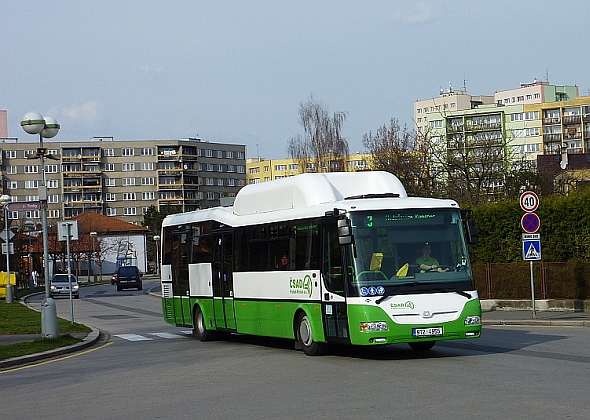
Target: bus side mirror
472, 233
344, 232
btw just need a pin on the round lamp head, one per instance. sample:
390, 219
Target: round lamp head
33, 123
51, 128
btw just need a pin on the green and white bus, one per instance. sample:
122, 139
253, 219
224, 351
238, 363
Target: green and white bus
322, 259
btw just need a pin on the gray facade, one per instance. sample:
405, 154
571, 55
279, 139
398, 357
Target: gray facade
122, 179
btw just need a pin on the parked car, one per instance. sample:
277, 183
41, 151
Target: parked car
128, 277
60, 286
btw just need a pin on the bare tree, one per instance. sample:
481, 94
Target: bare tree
396, 149
322, 144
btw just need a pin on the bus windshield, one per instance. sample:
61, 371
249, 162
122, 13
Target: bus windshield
408, 251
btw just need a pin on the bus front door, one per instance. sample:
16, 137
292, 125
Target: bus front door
223, 301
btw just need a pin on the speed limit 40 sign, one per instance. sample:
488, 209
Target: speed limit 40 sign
529, 201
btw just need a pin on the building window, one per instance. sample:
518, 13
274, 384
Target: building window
147, 195
109, 197
10, 154
129, 196
128, 167
147, 181
108, 152
31, 169
144, 210
109, 167
220, 182
210, 167
240, 155
51, 169
109, 182
210, 196
208, 153
254, 170
53, 214
147, 166
229, 154
230, 168
209, 181
220, 154
111, 211
147, 151
130, 211
32, 214
127, 182
231, 182
53, 183
54, 198
127, 151
11, 170
32, 183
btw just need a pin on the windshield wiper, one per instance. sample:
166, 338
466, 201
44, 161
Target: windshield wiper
396, 287
416, 283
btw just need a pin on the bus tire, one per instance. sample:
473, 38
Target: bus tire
200, 330
422, 345
305, 337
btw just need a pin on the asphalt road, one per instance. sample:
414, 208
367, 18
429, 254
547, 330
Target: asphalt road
151, 370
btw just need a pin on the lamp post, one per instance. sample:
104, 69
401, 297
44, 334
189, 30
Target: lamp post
4, 200
34, 123
157, 239
93, 236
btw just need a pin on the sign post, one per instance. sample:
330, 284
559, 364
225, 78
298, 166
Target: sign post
531, 241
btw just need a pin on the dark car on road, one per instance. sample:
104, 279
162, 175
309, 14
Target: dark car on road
128, 277
60, 286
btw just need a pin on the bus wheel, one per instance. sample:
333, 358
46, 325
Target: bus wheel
422, 345
200, 331
305, 337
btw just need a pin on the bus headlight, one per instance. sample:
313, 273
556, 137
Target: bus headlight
374, 326
473, 320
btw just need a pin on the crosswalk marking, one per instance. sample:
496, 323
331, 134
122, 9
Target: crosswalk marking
166, 335
133, 337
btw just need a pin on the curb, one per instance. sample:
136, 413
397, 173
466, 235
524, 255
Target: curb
539, 323
91, 339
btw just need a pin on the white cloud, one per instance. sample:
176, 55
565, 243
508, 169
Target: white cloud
415, 12
87, 114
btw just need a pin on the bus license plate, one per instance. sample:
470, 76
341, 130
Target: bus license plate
427, 332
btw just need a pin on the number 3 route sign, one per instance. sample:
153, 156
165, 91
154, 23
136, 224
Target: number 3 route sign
530, 222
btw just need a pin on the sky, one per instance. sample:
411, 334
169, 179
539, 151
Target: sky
238, 71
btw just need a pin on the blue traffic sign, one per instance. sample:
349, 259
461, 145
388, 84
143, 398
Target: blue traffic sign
530, 222
531, 250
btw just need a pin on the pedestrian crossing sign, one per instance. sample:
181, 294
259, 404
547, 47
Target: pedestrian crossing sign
531, 250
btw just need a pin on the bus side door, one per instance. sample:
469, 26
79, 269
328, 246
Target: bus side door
222, 266
334, 276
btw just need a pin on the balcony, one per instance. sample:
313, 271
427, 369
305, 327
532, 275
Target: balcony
552, 137
550, 120
572, 119
484, 126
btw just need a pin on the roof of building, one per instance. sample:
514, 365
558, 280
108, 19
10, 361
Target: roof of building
94, 222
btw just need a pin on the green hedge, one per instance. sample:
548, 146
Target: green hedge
565, 230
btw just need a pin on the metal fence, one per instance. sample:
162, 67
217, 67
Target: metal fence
553, 280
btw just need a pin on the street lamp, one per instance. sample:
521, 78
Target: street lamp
34, 123
93, 235
157, 239
4, 200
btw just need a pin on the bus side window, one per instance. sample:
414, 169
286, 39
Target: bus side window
332, 270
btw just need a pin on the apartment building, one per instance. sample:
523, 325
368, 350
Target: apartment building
122, 178
261, 170
534, 119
